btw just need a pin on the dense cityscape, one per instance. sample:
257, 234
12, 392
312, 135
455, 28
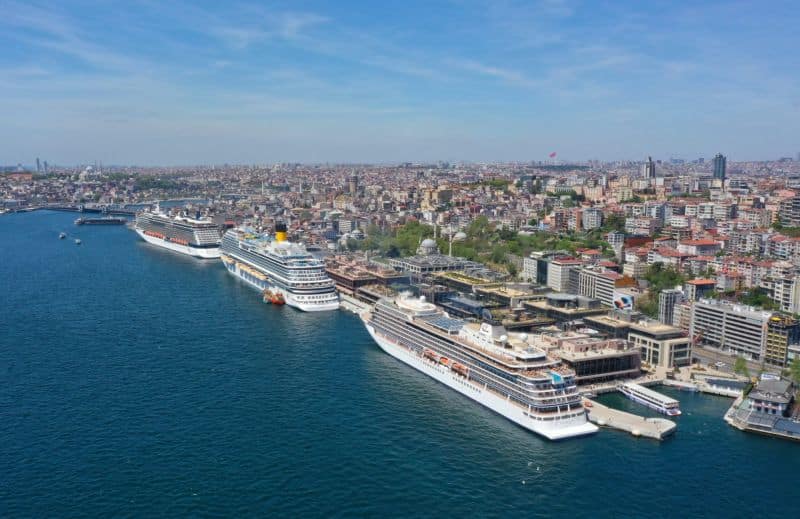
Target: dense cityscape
684, 273
499, 258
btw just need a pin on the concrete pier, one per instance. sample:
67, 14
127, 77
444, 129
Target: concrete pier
656, 428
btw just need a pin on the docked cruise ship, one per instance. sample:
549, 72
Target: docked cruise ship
198, 237
500, 370
279, 269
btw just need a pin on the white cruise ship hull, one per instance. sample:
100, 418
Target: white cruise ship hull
289, 298
559, 429
197, 252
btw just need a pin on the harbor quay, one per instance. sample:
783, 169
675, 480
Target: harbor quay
604, 416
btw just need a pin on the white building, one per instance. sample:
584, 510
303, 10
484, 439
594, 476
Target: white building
738, 329
558, 273
592, 218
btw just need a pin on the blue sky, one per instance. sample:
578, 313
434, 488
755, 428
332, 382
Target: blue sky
153, 82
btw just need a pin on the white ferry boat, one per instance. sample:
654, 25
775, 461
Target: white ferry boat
198, 237
652, 399
283, 271
502, 371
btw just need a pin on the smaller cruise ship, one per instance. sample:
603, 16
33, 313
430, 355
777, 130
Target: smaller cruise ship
198, 236
652, 399
283, 271
109, 220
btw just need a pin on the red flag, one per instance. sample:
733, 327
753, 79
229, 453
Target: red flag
552, 155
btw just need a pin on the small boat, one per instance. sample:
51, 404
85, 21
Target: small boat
62, 235
649, 398
444, 361
276, 298
77, 241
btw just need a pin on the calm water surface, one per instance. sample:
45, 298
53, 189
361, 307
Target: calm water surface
135, 382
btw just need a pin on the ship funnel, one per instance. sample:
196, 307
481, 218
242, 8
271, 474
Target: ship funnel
280, 231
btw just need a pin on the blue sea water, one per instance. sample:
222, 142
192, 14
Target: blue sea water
135, 382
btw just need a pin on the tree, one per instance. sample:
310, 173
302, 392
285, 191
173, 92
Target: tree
758, 297
794, 370
614, 222
499, 253
512, 269
740, 367
478, 227
661, 277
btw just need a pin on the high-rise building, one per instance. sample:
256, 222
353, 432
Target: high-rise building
649, 168
736, 329
592, 218
602, 285
782, 331
558, 273
667, 300
45, 167
353, 184
617, 241
789, 212
38, 165
719, 166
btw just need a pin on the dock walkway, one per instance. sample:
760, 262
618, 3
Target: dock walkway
604, 416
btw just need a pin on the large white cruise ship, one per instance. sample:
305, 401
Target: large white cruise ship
283, 271
198, 237
503, 371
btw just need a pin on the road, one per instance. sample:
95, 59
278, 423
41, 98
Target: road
706, 356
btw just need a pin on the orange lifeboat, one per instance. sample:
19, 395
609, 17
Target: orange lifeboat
444, 361
277, 299
460, 369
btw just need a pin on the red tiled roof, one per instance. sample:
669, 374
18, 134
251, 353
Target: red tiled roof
702, 282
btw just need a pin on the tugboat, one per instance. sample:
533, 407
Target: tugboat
62, 235
276, 298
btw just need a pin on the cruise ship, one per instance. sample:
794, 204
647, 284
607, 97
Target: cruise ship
283, 271
503, 371
198, 237
652, 399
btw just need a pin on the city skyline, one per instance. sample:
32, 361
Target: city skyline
179, 84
